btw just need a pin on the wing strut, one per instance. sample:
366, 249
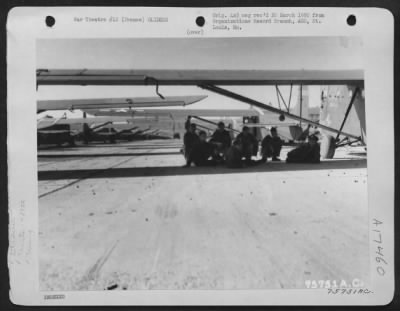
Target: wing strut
253, 102
301, 102
279, 94
210, 122
290, 97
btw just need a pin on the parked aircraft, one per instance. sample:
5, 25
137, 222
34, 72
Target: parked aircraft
58, 131
55, 134
349, 92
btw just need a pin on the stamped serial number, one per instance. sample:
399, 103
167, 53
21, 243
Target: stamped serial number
314, 284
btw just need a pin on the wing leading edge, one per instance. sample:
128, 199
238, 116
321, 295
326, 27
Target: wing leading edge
131, 102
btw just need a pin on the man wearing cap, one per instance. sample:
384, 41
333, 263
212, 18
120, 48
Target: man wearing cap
233, 157
271, 146
201, 152
248, 142
222, 139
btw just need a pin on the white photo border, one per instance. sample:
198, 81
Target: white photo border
25, 25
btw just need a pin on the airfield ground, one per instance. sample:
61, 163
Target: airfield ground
128, 216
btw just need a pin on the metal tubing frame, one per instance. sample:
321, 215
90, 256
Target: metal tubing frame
214, 123
279, 94
349, 143
203, 127
250, 101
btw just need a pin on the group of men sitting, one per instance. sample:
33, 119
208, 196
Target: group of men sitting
238, 152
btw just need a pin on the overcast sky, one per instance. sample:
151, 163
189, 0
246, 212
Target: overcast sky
290, 53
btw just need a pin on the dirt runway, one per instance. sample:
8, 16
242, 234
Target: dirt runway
128, 216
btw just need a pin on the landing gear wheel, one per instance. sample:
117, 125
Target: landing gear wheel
328, 146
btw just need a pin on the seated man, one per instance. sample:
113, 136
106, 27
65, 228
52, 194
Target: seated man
271, 146
233, 157
249, 143
201, 152
222, 139
305, 153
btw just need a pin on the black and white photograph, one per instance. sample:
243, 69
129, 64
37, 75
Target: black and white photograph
223, 163
238, 155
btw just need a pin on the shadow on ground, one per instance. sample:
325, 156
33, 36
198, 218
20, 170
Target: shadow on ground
108, 145
177, 171
94, 155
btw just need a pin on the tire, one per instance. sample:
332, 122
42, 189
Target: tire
328, 146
